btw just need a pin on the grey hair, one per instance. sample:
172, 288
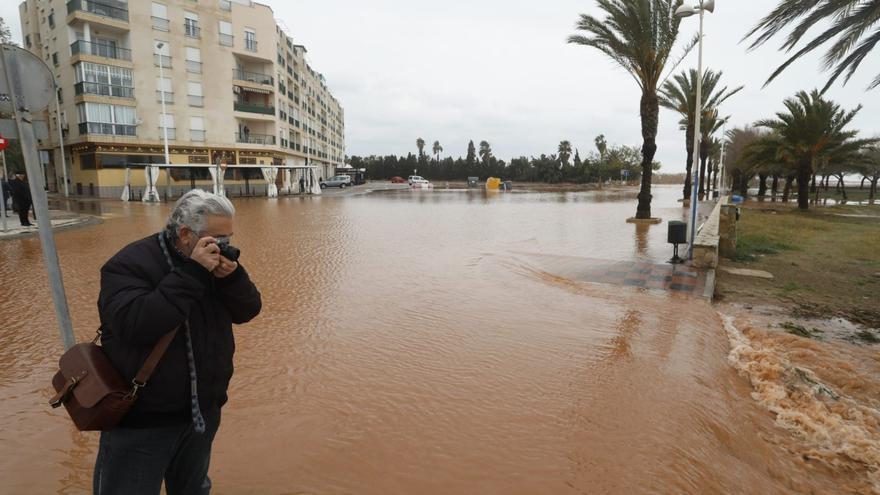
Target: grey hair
192, 209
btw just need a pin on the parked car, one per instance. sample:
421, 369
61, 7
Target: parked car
417, 179
340, 181
397, 180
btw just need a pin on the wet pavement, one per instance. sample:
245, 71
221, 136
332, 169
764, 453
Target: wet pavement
433, 342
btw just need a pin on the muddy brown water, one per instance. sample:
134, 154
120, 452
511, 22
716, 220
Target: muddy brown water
413, 343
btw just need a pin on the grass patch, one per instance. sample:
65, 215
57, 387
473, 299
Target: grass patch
868, 336
748, 247
791, 287
799, 330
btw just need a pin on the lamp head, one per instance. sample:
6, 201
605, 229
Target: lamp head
709, 5
159, 45
685, 11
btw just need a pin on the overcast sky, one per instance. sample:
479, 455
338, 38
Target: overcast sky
456, 70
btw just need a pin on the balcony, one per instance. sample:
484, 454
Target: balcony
167, 96
160, 24
162, 60
266, 139
250, 45
193, 67
108, 129
105, 50
254, 108
243, 75
110, 9
290, 119
226, 39
192, 30
90, 88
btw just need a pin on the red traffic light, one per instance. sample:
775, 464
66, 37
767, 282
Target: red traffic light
3, 143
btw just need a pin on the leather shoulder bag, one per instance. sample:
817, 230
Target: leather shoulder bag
92, 390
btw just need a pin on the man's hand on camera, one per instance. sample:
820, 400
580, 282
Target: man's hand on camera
225, 268
207, 253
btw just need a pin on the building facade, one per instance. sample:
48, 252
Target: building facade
235, 86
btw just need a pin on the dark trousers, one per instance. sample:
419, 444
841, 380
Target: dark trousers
23, 210
134, 461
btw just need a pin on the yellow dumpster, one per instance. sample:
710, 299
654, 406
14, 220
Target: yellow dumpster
493, 183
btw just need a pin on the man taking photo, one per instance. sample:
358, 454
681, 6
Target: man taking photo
177, 279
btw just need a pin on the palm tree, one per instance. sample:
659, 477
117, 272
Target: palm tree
420, 144
811, 129
564, 152
710, 124
485, 152
680, 95
602, 146
437, 150
847, 24
638, 35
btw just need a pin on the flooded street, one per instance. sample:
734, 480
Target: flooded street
432, 343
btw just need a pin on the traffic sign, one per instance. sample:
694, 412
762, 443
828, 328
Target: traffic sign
3, 143
40, 88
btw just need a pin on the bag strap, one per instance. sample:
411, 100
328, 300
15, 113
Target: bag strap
143, 375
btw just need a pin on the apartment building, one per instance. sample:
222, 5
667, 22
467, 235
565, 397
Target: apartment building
234, 84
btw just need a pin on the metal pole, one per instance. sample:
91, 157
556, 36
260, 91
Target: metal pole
41, 202
721, 164
164, 119
61, 142
697, 135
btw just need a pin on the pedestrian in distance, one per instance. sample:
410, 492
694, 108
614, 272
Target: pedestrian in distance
302, 185
186, 277
21, 198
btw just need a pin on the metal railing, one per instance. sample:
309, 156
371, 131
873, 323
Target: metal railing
250, 138
192, 30
290, 120
166, 60
225, 5
99, 50
100, 89
250, 45
108, 9
197, 134
110, 129
161, 24
256, 77
226, 39
254, 108
193, 67
167, 95
196, 101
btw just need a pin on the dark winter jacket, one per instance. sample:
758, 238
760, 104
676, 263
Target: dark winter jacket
142, 299
20, 191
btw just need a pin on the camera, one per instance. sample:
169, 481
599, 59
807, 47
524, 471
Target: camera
229, 251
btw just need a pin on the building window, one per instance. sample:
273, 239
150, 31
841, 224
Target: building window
194, 94
52, 20
60, 98
225, 29
160, 17
191, 25
27, 39
197, 128
250, 40
103, 118
193, 60
166, 124
164, 90
55, 59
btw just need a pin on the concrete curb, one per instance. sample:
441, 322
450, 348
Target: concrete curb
709, 290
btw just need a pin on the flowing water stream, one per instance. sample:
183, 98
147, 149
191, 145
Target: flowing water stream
420, 343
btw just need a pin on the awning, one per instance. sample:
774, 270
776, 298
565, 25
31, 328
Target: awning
254, 90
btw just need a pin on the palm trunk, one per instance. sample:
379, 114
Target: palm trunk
774, 187
689, 146
762, 186
805, 170
873, 191
704, 155
650, 112
744, 185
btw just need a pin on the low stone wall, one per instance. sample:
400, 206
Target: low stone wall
708, 239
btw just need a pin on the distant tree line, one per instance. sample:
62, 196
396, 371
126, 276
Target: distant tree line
565, 165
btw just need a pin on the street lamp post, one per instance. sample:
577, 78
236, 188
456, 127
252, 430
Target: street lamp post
687, 11
153, 196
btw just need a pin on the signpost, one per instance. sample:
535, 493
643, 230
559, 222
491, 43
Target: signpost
27, 87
